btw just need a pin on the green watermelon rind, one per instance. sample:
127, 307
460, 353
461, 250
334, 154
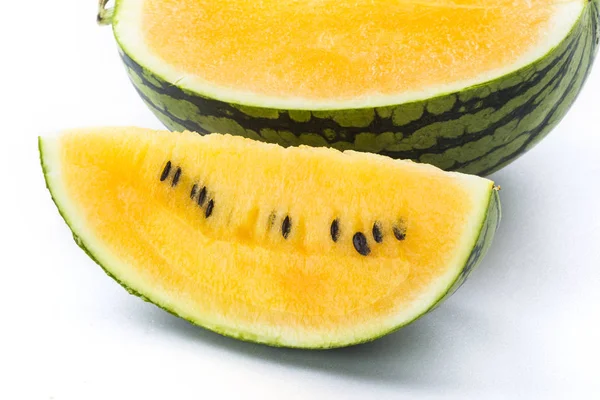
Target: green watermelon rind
480, 245
483, 242
477, 130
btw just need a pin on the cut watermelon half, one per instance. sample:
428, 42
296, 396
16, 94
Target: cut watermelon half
466, 85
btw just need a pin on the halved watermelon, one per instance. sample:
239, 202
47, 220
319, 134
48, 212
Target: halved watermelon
467, 85
300, 247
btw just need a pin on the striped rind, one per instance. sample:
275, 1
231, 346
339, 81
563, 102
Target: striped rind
477, 130
489, 215
484, 241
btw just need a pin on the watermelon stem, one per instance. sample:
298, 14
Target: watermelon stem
105, 15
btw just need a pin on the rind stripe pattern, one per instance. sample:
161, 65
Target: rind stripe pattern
477, 130
484, 241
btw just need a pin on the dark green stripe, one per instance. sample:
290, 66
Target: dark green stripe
533, 133
164, 115
577, 81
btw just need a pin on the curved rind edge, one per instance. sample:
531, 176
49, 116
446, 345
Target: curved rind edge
482, 243
484, 239
477, 130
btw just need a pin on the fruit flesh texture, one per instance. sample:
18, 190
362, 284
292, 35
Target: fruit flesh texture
323, 49
234, 265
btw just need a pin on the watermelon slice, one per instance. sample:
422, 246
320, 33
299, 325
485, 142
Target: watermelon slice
299, 247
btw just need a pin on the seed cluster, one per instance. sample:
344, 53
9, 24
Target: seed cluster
199, 197
201, 200
359, 240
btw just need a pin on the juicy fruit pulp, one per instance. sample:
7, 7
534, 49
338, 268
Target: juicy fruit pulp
298, 247
332, 49
336, 50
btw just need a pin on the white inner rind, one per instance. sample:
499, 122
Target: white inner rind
480, 188
129, 33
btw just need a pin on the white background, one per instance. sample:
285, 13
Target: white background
524, 326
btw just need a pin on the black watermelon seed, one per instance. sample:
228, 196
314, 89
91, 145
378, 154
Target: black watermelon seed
166, 171
193, 192
202, 196
335, 230
360, 244
400, 232
176, 177
209, 208
286, 227
377, 233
